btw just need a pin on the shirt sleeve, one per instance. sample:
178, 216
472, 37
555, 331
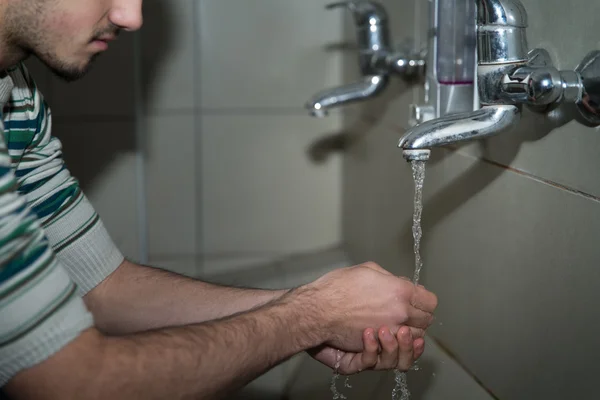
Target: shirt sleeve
40, 310
73, 228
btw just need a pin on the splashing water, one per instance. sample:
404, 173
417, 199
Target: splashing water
400, 391
333, 386
334, 391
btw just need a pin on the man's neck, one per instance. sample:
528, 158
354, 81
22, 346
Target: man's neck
9, 56
10, 53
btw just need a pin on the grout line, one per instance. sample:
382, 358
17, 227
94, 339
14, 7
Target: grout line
119, 118
140, 159
171, 111
521, 172
191, 111
458, 361
197, 141
261, 111
533, 177
93, 118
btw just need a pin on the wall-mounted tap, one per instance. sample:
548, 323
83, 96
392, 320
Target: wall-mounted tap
508, 76
376, 59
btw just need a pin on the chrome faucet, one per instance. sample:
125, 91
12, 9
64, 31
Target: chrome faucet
376, 59
508, 76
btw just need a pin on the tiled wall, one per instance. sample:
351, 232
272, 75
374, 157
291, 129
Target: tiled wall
230, 179
511, 225
262, 195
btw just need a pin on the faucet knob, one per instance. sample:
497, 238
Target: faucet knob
365, 12
534, 86
371, 23
589, 104
539, 84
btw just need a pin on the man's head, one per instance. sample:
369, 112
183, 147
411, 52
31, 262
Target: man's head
66, 35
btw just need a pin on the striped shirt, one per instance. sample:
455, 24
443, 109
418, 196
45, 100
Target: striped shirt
53, 246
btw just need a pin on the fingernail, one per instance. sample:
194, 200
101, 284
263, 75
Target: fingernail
384, 334
405, 335
371, 335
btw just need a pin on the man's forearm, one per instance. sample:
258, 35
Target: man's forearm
200, 361
136, 298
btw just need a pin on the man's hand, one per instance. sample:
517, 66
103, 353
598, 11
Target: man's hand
348, 300
382, 352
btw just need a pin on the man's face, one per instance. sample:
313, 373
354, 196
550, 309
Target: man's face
67, 35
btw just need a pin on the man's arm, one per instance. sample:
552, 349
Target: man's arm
201, 361
207, 360
136, 298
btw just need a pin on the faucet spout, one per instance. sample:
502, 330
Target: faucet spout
501, 50
369, 86
457, 128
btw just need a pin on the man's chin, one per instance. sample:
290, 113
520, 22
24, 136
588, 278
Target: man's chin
71, 73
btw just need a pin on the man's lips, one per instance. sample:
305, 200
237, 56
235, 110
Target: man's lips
107, 38
101, 42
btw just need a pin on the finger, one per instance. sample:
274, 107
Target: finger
376, 267
418, 348
405, 353
418, 318
388, 358
325, 355
348, 364
368, 358
417, 332
424, 300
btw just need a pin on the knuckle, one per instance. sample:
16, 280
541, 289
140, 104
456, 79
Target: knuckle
371, 362
391, 349
430, 319
371, 264
405, 289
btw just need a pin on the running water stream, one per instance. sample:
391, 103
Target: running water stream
400, 391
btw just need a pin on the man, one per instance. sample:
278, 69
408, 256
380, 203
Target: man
79, 321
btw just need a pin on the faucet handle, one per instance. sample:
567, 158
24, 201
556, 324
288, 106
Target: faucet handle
372, 34
540, 84
534, 86
349, 4
365, 12
589, 104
